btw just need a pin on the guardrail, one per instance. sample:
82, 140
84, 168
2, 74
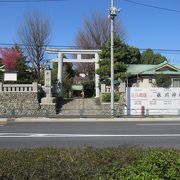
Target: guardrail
149, 112
18, 87
80, 113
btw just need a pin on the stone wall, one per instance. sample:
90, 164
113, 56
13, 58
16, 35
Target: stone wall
23, 104
18, 101
23, 100
14, 104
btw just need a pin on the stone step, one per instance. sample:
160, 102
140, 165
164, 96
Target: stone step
82, 107
84, 112
81, 104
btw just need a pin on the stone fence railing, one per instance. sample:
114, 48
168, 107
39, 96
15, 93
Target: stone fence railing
18, 87
107, 89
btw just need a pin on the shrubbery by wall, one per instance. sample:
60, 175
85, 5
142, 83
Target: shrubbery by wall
106, 97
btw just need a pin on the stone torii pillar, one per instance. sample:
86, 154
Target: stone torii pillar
60, 67
79, 58
96, 75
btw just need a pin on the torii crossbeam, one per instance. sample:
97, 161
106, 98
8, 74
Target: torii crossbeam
78, 53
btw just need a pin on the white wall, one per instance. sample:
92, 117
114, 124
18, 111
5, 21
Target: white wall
144, 83
156, 101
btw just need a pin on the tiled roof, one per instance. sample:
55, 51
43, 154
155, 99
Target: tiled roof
135, 69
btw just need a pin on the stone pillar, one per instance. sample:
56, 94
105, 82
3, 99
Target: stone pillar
60, 67
47, 83
47, 88
103, 88
96, 75
122, 87
35, 88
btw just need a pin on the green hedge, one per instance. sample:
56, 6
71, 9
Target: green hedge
90, 163
157, 164
107, 97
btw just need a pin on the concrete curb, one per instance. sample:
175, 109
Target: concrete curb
124, 119
3, 120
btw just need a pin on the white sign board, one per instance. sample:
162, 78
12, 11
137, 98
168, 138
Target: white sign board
153, 101
10, 76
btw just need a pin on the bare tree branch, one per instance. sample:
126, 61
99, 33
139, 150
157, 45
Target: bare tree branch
96, 31
35, 35
94, 34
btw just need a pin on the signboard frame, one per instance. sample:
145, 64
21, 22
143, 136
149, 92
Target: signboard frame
153, 101
10, 76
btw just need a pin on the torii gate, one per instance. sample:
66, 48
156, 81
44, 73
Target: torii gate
79, 53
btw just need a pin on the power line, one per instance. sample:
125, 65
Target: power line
162, 50
170, 50
152, 6
29, 1
52, 46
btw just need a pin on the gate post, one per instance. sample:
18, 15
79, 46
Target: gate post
60, 66
96, 75
142, 110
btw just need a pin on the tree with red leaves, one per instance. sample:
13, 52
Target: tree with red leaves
9, 58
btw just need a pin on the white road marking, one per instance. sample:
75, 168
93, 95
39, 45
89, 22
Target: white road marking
34, 135
162, 124
38, 135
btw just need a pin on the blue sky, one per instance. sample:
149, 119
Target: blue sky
145, 27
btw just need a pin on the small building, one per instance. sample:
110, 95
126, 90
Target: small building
77, 86
143, 75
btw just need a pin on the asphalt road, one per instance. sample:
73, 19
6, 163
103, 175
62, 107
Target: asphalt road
98, 134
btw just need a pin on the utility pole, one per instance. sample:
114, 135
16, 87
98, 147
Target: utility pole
113, 14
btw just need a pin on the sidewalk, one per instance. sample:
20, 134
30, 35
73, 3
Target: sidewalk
121, 119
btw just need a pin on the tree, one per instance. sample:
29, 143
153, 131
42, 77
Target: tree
35, 34
1, 64
9, 58
67, 80
149, 57
94, 33
163, 80
123, 55
25, 73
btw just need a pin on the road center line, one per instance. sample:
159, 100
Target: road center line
167, 124
34, 135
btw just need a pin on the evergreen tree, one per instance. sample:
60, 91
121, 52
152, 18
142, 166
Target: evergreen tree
25, 73
123, 55
149, 57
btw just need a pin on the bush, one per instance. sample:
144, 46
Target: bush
107, 97
157, 164
51, 163
90, 163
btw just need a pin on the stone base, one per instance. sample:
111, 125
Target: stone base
48, 108
48, 100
